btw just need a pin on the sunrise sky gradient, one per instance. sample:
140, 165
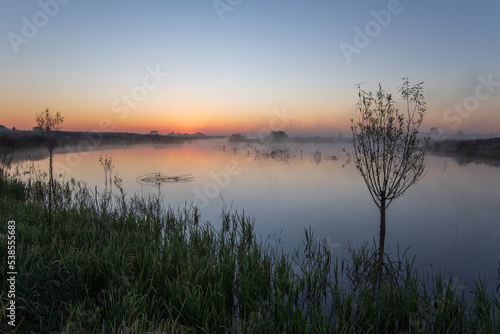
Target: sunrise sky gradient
228, 66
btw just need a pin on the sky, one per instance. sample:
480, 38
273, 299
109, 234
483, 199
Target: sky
228, 66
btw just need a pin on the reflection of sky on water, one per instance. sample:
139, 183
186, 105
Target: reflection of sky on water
450, 218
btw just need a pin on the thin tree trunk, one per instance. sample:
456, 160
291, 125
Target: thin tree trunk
382, 233
51, 186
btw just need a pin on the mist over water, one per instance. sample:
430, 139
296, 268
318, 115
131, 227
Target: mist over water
449, 219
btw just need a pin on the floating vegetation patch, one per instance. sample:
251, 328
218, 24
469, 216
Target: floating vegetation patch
157, 179
317, 157
279, 154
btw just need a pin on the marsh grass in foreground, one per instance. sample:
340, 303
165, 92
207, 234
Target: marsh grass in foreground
130, 266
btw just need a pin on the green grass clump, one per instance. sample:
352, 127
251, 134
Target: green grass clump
127, 265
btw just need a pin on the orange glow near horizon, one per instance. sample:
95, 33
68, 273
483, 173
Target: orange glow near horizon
249, 119
178, 120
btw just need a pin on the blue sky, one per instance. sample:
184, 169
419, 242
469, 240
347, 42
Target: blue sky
228, 71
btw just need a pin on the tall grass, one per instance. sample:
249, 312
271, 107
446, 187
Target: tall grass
129, 265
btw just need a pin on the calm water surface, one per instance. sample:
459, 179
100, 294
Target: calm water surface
450, 219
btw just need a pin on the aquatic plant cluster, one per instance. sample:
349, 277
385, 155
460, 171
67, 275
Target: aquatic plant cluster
285, 155
133, 266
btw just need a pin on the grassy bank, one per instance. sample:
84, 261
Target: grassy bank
117, 264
